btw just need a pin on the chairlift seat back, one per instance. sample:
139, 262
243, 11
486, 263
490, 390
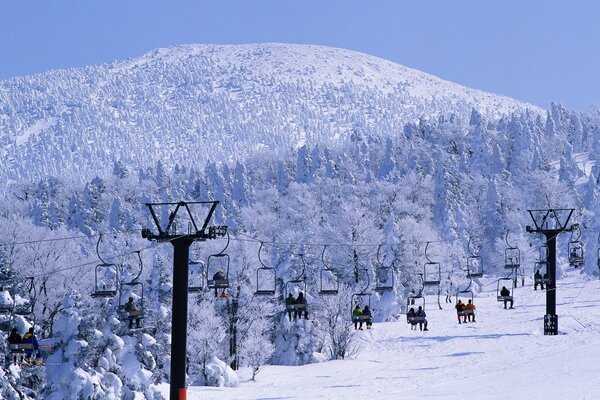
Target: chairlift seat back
218, 283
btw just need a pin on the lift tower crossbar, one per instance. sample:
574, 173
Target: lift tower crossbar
551, 223
181, 242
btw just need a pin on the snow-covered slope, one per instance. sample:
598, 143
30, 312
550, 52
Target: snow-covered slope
189, 104
504, 355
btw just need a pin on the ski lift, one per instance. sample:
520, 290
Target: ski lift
512, 256
465, 294
575, 248
298, 283
384, 276
196, 276
501, 285
134, 309
415, 301
360, 298
266, 277
432, 271
218, 269
106, 276
329, 280
474, 264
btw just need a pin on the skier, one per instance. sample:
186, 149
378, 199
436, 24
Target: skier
300, 306
356, 313
470, 311
367, 312
132, 313
506, 293
30, 338
460, 310
217, 278
14, 338
537, 280
290, 302
411, 318
421, 318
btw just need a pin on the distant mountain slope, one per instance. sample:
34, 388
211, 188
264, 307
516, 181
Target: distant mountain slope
189, 104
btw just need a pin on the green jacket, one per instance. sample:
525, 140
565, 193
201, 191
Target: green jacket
357, 311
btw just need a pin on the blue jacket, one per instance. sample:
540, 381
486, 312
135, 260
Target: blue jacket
421, 313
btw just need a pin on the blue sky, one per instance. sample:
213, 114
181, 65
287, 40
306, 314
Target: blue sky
536, 51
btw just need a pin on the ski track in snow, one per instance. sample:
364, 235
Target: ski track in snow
504, 355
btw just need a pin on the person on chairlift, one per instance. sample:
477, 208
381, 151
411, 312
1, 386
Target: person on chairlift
505, 292
460, 308
14, 338
366, 311
573, 254
219, 276
301, 300
132, 313
30, 337
470, 308
357, 312
423, 321
290, 301
411, 316
537, 280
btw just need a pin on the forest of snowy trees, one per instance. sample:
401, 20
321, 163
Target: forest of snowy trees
389, 187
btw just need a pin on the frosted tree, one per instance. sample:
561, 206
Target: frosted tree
256, 347
340, 342
205, 337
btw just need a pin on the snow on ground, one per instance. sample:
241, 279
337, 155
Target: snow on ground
504, 355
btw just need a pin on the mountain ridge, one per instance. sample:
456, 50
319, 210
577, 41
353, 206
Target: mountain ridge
196, 103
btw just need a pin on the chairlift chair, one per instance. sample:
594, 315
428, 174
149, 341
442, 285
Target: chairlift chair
105, 287
432, 274
266, 277
296, 283
329, 282
432, 271
576, 254
289, 288
384, 276
360, 299
414, 301
196, 276
215, 263
474, 267
139, 312
509, 284
541, 266
466, 295
266, 281
512, 258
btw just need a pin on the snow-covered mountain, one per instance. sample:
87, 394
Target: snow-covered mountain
190, 104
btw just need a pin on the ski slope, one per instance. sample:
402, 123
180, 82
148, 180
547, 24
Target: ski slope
504, 355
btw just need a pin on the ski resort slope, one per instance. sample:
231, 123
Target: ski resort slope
504, 355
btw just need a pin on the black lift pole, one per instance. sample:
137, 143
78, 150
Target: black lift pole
548, 223
181, 242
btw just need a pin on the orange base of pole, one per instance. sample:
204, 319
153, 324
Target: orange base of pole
183, 394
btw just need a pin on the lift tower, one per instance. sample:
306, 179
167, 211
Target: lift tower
181, 241
551, 223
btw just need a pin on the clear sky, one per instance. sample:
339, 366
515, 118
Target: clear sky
536, 51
